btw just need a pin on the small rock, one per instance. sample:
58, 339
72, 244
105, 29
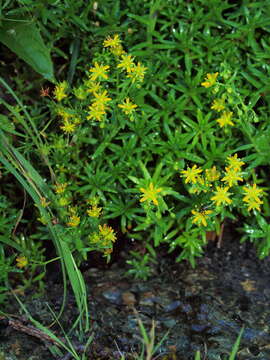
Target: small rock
128, 298
172, 306
113, 295
147, 299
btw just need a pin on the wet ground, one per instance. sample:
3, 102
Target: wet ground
202, 308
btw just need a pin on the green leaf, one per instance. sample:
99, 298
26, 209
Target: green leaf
23, 38
236, 345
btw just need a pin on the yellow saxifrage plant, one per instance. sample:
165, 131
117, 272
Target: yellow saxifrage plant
213, 197
107, 94
105, 89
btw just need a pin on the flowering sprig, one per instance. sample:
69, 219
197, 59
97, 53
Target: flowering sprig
114, 73
22, 261
150, 193
253, 197
192, 174
99, 71
210, 182
219, 104
60, 91
210, 80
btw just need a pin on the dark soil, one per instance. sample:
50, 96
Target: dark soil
202, 308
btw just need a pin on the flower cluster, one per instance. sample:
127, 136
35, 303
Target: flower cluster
74, 219
60, 91
60, 188
114, 44
94, 211
97, 110
77, 223
252, 197
70, 120
116, 65
63, 197
135, 72
219, 104
220, 188
104, 238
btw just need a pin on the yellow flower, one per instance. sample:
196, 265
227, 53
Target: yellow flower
117, 51
210, 80
212, 174
112, 42
63, 201
92, 86
64, 113
95, 113
101, 98
191, 174
59, 91
60, 188
232, 176
221, 196
74, 220
252, 193
107, 234
225, 119
127, 107
21, 261
200, 216
99, 71
150, 194
218, 105
253, 204
44, 202
94, 211
234, 162
68, 127
137, 73
126, 63
200, 185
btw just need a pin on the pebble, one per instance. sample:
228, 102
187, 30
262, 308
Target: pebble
128, 298
113, 295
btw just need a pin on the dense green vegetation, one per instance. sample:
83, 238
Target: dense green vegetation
144, 120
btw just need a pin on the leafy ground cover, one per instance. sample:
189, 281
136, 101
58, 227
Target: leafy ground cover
152, 129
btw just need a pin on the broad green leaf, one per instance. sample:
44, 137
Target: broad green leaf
23, 38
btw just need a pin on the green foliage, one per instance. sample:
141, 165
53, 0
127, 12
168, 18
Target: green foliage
23, 37
36, 187
234, 349
157, 169
135, 163
7, 256
258, 232
133, 149
140, 267
32, 252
